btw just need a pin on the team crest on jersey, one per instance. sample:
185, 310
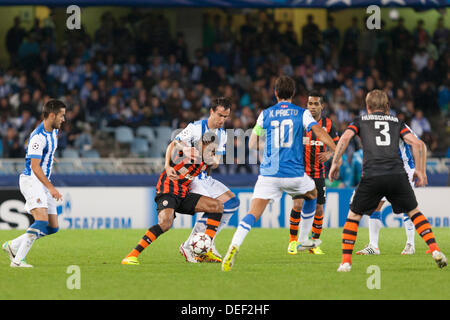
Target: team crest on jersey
165, 203
35, 146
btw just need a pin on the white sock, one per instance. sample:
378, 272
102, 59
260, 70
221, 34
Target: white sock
200, 226
410, 230
15, 244
374, 231
223, 222
306, 223
243, 229
24, 247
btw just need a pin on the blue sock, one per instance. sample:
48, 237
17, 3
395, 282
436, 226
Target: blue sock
51, 230
309, 207
243, 229
376, 215
38, 228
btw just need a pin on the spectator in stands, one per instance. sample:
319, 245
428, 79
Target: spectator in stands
14, 38
420, 124
311, 35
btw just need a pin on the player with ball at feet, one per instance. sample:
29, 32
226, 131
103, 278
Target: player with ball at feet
173, 191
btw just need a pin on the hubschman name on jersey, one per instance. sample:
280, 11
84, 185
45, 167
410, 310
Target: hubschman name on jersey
379, 117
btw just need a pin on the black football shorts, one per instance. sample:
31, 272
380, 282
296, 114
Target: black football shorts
395, 187
184, 205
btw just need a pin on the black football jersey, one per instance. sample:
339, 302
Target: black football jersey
380, 135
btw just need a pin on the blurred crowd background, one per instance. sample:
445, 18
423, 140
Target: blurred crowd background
132, 73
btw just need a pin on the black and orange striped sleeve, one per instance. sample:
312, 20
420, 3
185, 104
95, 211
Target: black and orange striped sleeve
354, 126
404, 130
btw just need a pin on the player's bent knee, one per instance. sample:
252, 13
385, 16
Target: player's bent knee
165, 220
217, 206
51, 230
232, 203
311, 195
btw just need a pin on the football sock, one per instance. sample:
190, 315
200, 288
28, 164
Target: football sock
151, 235
348, 239
294, 221
51, 230
243, 229
409, 228
230, 208
200, 226
317, 226
424, 230
37, 230
375, 224
15, 244
306, 222
212, 223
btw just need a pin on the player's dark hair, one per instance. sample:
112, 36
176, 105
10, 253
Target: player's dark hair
52, 106
316, 94
285, 87
220, 101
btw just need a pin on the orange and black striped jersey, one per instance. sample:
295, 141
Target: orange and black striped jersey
187, 171
312, 147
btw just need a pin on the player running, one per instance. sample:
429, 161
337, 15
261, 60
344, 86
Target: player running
375, 222
39, 193
383, 174
314, 155
173, 194
204, 184
282, 168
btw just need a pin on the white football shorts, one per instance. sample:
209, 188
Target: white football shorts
36, 194
272, 187
209, 187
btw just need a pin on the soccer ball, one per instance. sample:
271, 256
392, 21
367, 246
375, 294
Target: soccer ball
200, 243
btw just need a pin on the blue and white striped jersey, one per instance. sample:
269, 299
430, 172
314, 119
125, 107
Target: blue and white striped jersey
194, 132
406, 153
41, 145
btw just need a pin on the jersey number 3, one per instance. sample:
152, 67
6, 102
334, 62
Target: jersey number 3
385, 138
279, 133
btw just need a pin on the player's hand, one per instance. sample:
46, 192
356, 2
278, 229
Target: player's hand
191, 152
324, 156
54, 193
171, 173
420, 179
334, 172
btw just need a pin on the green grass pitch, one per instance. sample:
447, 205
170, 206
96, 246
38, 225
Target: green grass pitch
263, 269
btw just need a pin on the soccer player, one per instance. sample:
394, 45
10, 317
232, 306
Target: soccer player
39, 193
375, 222
314, 155
383, 174
173, 194
204, 184
282, 168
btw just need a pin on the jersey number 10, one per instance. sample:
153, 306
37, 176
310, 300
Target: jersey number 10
385, 138
279, 133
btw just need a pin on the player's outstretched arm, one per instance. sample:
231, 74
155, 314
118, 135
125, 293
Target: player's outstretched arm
37, 170
256, 141
420, 158
324, 137
340, 149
